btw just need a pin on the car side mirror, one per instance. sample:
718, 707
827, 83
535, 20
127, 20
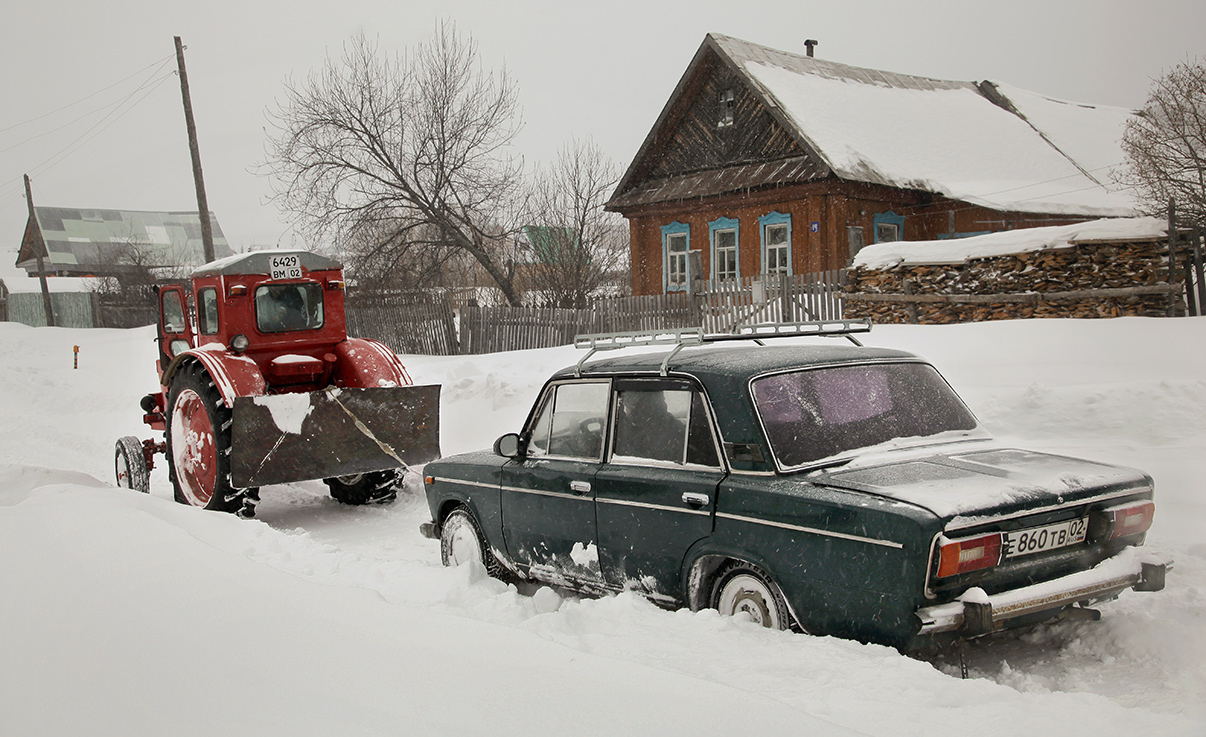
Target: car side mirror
507, 446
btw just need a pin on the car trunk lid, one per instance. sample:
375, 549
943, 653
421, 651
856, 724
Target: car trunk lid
965, 488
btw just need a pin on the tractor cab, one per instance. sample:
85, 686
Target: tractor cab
284, 310
260, 385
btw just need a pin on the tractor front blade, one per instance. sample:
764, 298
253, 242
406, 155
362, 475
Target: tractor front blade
281, 438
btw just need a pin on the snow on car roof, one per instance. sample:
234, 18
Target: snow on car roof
721, 364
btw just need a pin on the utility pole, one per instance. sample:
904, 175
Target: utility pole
207, 235
39, 248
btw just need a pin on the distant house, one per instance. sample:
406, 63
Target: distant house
115, 242
767, 162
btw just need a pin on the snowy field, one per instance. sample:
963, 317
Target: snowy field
127, 614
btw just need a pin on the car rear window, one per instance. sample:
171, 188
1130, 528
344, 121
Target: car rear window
819, 413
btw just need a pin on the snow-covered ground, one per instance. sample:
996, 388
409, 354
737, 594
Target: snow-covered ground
127, 614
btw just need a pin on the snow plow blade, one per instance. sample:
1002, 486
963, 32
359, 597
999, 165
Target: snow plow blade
281, 438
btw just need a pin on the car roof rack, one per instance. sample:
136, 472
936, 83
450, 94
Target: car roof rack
682, 337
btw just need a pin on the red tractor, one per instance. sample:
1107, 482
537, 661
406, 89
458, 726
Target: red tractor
260, 384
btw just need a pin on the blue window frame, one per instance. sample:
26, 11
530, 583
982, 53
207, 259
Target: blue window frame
888, 227
726, 262
776, 243
676, 258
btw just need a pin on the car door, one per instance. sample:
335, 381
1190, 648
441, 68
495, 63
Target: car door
548, 496
656, 494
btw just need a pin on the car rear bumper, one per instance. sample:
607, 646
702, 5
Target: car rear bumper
977, 613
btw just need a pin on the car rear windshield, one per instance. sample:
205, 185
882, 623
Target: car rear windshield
819, 413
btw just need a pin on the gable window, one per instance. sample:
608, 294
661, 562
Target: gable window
726, 109
725, 264
776, 243
888, 227
676, 244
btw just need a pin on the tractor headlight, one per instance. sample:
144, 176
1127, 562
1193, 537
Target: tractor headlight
239, 343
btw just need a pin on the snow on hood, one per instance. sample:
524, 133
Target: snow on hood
983, 483
960, 250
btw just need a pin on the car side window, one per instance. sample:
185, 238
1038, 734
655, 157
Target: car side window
571, 421
701, 445
651, 424
660, 422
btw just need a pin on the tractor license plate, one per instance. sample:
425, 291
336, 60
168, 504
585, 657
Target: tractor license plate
1040, 539
285, 267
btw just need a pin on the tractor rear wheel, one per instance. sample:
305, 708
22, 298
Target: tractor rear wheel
198, 445
130, 465
378, 487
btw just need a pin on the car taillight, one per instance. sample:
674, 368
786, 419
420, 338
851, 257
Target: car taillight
970, 554
1127, 519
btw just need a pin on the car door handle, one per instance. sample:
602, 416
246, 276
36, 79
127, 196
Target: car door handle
696, 500
580, 487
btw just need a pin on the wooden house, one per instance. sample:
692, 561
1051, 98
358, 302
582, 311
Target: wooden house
106, 243
767, 162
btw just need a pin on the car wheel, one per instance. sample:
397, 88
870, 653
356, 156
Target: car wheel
743, 588
461, 540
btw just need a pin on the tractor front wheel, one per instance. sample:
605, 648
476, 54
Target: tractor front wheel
379, 487
198, 445
130, 465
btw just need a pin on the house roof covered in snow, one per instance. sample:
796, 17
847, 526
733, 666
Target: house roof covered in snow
985, 143
101, 241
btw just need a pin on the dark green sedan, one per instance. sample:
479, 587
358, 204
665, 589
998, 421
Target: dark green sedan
833, 489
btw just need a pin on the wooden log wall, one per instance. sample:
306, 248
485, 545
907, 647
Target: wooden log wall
1088, 280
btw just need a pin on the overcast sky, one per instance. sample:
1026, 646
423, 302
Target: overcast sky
599, 69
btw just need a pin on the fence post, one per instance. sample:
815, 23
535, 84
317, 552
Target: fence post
1198, 268
1172, 257
910, 306
787, 308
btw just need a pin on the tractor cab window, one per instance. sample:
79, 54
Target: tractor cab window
207, 311
172, 311
283, 308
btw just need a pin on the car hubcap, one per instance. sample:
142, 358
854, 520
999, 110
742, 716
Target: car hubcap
193, 450
463, 545
745, 593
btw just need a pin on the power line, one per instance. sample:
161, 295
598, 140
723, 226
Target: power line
97, 128
160, 63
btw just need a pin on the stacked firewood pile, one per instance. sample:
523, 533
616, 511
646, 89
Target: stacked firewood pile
1087, 280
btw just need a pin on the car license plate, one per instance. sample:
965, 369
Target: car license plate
1040, 539
285, 267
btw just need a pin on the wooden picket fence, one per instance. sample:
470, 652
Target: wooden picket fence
408, 324
770, 298
1193, 274
404, 323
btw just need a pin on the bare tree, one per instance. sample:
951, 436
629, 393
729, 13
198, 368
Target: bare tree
1165, 144
391, 256
128, 271
416, 146
578, 250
